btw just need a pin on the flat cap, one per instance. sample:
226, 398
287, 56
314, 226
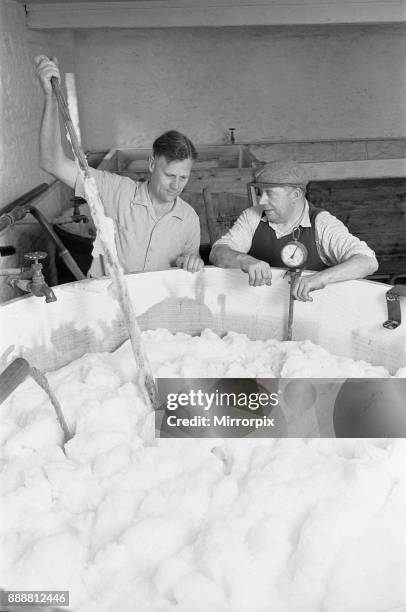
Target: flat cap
283, 172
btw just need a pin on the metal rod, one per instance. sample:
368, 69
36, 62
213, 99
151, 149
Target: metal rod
19, 212
294, 274
11, 217
290, 317
61, 248
27, 197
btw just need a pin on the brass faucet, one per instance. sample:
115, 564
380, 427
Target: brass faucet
32, 280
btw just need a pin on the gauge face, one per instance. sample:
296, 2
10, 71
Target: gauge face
294, 254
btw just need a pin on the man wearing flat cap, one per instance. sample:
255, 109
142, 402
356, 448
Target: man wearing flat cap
283, 214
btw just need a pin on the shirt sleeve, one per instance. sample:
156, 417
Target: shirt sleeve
111, 188
335, 243
192, 243
239, 236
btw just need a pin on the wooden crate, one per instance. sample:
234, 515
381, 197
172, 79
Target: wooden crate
208, 157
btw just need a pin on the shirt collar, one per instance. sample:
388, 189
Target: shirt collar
142, 198
305, 222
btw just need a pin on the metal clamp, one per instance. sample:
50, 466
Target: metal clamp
392, 302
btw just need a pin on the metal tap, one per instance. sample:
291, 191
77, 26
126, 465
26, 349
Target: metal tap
32, 280
76, 217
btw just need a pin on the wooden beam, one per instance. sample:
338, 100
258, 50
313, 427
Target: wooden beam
216, 13
371, 168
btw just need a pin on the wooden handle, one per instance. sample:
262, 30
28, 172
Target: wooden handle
13, 376
114, 268
64, 109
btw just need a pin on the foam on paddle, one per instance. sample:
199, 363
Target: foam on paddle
105, 236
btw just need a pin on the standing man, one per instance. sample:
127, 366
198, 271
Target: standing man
155, 229
255, 241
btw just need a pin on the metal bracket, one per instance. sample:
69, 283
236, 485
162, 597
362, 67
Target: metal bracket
392, 302
252, 193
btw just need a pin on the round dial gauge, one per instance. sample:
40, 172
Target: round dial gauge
294, 254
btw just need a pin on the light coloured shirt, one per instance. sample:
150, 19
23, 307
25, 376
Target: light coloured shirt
144, 242
334, 242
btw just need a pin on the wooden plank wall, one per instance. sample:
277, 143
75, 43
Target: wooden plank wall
227, 208
374, 210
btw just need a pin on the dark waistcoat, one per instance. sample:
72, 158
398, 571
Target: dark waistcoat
267, 247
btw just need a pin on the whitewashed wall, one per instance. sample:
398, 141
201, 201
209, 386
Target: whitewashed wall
20, 114
269, 83
21, 98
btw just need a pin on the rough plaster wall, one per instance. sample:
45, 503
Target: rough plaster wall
21, 99
20, 114
268, 83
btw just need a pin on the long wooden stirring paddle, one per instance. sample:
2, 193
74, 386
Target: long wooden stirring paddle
101, 221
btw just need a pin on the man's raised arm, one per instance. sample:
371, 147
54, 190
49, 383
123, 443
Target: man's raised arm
52, 156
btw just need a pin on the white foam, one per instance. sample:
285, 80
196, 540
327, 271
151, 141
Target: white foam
126, 522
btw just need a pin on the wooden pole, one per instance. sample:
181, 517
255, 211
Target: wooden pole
72, 100
12, 376
210, 215
145, 378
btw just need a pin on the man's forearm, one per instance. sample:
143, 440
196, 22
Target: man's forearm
50, 146
357, 266
52, 155
259, 272
225, 257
